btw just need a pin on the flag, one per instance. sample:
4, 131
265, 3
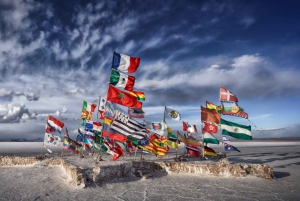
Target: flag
210, 115
189, 141
228, 147
209, 151
69, 144
111, 108
231, 108
107, 121
139, 95
212, 106
121, 97
124, 63
113, 135
210, 127
128, 126
189, 128
116, 151
235, 130
86, 115
53, 125
101, 107
90, 107
193, 150
50, 139
225, 139
226, 95
157, 127
136, 112
93, 126
172, 114
209, 138
139, 142
170, 143
121, 80
171, 136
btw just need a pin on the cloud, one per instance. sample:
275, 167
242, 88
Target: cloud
13, 113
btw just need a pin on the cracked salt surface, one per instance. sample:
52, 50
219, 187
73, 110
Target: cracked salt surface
50, 182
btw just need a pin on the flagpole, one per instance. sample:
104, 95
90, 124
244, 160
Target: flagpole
221, 106
176, 144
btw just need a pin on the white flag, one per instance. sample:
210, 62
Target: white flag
50, 139
172, 114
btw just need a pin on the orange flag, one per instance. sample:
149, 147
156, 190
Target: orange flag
210, 115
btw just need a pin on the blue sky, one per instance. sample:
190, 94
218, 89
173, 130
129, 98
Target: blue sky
55, 54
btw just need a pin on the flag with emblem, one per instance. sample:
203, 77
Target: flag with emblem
50, 139
226, 95
121, 80
172, 114
101, 108
231, 108
235, 130
210, 127
157, 127
122, 98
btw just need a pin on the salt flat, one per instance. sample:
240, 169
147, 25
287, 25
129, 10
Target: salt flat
50, 183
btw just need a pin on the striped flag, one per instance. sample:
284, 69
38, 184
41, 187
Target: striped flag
128, 126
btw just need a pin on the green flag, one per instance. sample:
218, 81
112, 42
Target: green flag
235, 130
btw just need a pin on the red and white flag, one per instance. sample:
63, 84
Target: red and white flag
226, 95
210, 127
54, 124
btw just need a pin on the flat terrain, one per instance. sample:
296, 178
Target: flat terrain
49, 183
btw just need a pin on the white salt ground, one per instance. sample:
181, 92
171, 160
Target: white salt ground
50, 183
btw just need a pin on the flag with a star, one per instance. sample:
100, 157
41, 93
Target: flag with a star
228, 147
122, 98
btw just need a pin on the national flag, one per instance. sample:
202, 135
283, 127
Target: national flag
86, 115
226, 95
209, 138
89, 135
139, 95
101, 107
90, 107
209, 151
157, 127
193, 150
54, 124
136, 112
93, 126
107, 121
88, 142
170, 143
171, 136
235, 130
121, 97
116, 151
50, 139
125, 63
111, 108
189, 128
210, 127
228, 147
139, 142
225, 139
212, 106
114, 135
231, 108
172, 114
189, 141
210, 115
128, 126
69, 144
121, 80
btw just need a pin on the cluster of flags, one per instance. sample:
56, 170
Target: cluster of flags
119, 127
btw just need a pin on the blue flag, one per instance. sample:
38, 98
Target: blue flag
228, 147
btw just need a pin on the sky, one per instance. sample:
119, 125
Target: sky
56, 54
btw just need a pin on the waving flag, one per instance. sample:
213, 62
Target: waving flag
139, 95
125, 63
172, 114
209, 138
93, 126
225, 139
121, 80
90, 107
228, 147
189, 128
231, 108
50, 139
212, 106
209, 151
101, 107
210, 127
210, 115
193, 150
136, 113
226, 95
121, 97
157, 127
235, 130
53, 125
69, 144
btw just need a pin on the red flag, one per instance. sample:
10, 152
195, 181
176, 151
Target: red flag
184, 126
102, 113
123, 98
226, 95
210, 115
209, 127
114, 136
